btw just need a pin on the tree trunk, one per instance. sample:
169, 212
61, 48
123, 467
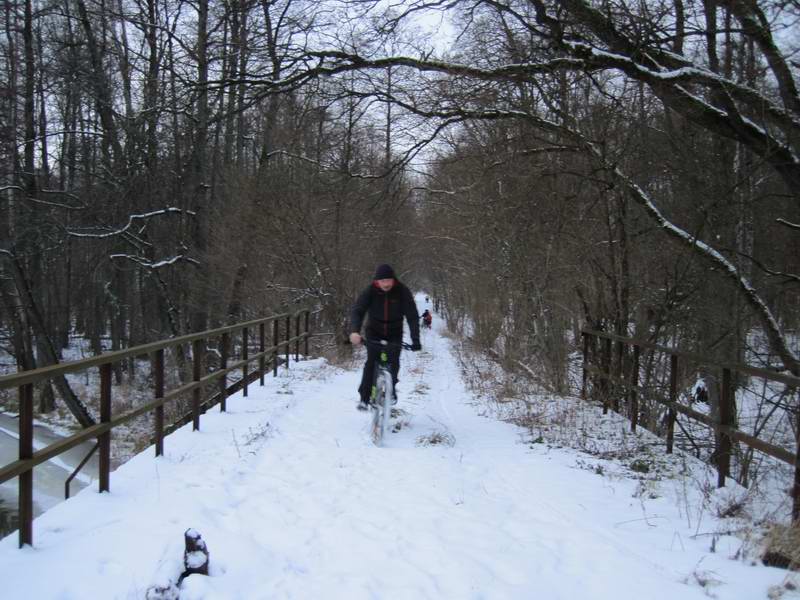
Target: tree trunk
101, 87
76, 407
21, 338
151, 85
199, 295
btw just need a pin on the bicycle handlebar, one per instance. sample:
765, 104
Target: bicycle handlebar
385, 343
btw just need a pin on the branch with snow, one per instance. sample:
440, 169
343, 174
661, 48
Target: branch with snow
33, 200
770, 324
752, 297
147, 264
131, 220
788, 223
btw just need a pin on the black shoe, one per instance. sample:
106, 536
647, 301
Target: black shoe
362, 405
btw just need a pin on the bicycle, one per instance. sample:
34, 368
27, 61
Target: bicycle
382, 390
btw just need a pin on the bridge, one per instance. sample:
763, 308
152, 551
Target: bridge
466, 501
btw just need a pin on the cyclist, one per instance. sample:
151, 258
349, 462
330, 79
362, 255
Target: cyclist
386, 301
427, 318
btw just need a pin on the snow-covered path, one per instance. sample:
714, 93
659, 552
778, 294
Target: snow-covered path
294, 501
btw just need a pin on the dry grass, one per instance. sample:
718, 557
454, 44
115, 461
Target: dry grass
343, 356
436, 438
782, 544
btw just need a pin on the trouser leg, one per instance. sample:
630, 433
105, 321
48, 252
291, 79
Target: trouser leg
394, 363
368, 374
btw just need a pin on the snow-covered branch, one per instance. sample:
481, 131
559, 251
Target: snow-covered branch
753, 298
131, 220
147, 264
19, 188
788, 223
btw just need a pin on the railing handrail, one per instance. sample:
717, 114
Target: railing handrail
767, 448
698, 358
36, 375
13, 469
28, 459
724, 423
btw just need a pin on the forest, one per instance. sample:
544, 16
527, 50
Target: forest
169, 166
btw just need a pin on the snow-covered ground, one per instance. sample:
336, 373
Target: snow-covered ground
294, 501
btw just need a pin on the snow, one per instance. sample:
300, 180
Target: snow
294, 501
194, 560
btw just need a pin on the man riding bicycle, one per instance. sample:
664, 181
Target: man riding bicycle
427, 319
386, 301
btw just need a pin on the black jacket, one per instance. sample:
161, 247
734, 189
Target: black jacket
386, 311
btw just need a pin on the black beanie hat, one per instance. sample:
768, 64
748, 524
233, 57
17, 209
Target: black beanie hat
384, 272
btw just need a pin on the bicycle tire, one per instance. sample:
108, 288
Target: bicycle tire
388, 394
377, 411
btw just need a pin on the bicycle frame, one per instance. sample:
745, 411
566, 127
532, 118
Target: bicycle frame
382, 391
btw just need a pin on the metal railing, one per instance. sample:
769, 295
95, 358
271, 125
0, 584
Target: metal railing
723, 426
101, 432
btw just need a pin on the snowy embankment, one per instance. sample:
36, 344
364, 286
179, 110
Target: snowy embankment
294, 501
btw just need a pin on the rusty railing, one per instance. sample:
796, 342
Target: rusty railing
723, 427
101, 432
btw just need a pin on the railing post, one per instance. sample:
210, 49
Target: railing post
297, 337
673, 398
305, 349
104, 439
262, 362
634, 404
288, 337
158, 385
585, 361
725, 421
275, 325
245, 356
796, 491
25, 498
224, 351
607, 373
198, 347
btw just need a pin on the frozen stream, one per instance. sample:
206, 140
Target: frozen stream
49, 478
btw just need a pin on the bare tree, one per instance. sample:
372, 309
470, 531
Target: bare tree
580, 38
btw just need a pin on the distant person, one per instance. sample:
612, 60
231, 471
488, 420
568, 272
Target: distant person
386, 301
427, 319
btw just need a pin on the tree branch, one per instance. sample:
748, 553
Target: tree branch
131, 220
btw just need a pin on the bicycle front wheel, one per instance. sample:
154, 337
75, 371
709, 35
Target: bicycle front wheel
388, 394
378, 394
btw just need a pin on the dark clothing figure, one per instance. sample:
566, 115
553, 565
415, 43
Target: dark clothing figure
385, 310
427, 318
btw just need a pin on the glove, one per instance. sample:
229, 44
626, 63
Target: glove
416, 346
